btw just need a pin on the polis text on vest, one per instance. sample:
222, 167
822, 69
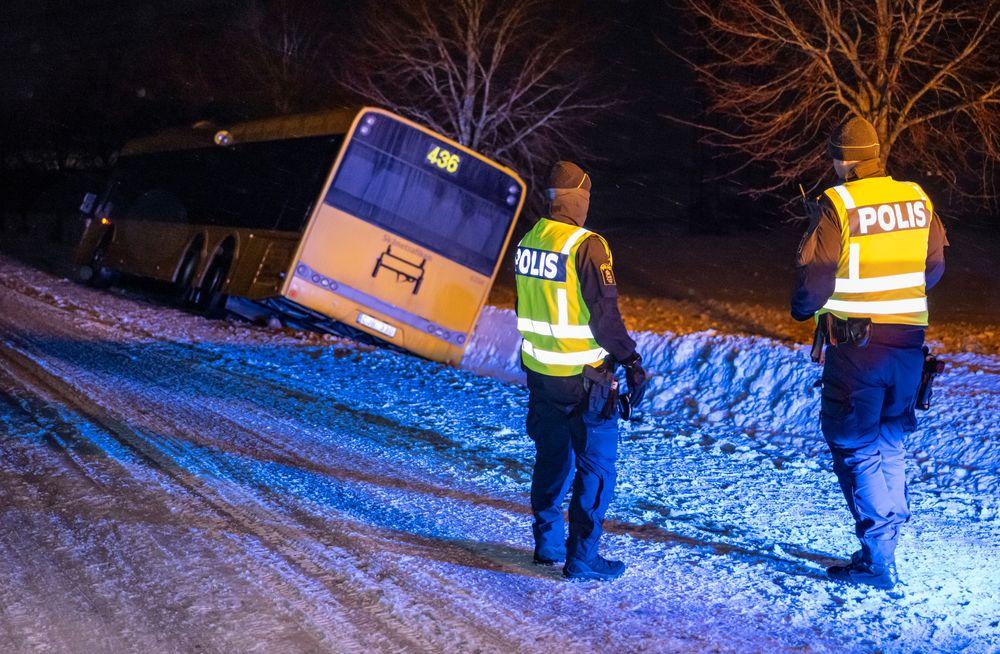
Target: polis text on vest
890, 217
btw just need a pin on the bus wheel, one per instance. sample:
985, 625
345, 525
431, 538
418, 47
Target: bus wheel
182, 284
94, 273
209, 298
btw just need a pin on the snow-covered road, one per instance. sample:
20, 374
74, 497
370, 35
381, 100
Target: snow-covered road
173, 484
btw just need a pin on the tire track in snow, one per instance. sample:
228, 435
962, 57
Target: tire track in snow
368, 629
167, 450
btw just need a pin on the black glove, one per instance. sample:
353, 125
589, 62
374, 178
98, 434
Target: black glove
636, 378
813, 209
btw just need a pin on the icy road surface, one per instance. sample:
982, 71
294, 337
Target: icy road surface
170, 484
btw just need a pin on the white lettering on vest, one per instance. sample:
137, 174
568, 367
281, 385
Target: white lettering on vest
866, 218
541, 264
881, 218
886, 217
523, 261
551, 259
900, 221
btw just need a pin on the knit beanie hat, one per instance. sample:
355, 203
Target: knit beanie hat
854, 139
566, 174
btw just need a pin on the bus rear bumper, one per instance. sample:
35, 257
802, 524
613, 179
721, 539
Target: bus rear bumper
296, 316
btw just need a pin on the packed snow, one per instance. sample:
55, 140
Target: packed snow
767, 390
175, 484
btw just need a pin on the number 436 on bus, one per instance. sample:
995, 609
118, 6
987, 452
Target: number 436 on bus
443, 159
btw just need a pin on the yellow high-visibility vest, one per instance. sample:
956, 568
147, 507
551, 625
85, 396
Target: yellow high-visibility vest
551, 313
884, 227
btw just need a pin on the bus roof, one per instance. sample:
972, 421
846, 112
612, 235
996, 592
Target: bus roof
202, 134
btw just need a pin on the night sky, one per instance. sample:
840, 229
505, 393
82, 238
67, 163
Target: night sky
82, 77
88, 75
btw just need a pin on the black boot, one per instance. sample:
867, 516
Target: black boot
549, 555
858, 571
597, 569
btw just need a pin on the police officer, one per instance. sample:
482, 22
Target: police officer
872, 250
567, 313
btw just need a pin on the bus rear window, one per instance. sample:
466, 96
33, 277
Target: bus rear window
387, 179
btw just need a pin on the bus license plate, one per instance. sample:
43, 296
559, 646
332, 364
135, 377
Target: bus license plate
377, 325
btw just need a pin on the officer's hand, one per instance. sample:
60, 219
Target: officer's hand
636, 378
814, 210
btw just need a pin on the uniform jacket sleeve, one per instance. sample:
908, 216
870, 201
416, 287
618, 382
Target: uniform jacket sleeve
600, 293
937, 241
816, 263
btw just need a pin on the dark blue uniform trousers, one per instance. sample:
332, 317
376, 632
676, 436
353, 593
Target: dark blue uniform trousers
867, 408
569, 438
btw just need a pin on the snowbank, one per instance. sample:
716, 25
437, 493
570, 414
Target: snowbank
709, 377
766, 389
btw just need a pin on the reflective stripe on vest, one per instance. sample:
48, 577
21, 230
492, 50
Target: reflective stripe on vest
878, 307
884, 230
563, 358
886, 283
557, 330
572, 240
552, 316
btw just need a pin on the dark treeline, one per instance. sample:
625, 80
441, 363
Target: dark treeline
81, 78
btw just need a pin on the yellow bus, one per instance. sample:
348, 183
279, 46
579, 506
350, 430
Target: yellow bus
348, 218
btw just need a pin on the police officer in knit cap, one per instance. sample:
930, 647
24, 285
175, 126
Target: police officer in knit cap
572, 336
864, 265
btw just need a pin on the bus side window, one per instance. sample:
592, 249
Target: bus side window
307, 164
170, 175
158, 205
280, 183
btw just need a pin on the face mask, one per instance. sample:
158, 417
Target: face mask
570, 204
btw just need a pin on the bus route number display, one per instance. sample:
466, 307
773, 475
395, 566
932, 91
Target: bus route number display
443, 159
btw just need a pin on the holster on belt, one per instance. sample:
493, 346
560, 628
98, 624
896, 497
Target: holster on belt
834, 331
601, 387
931, 368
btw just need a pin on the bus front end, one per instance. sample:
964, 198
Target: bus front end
407, 238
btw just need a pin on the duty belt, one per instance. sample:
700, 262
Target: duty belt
834, 331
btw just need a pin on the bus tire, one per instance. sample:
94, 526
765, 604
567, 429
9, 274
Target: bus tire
210, 301
94, 273
183, 290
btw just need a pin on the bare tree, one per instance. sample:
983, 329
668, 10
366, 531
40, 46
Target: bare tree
273, 57
507, 79
285, 52
779, 73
